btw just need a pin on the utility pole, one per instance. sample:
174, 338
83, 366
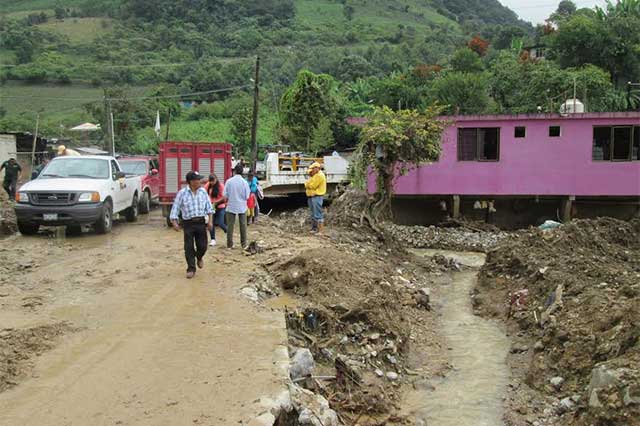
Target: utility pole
254, 125
113, 137
35, 139
107, 112
166, 137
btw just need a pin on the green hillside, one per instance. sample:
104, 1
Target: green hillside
57, 56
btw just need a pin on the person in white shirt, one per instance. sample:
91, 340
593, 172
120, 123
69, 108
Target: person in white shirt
236, 193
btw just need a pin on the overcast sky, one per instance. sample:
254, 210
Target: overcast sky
537, 11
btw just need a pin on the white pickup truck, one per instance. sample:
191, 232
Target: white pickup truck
76, 191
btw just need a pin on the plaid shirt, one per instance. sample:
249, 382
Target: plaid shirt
191, 205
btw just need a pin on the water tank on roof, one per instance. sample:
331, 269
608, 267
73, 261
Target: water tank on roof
572, 106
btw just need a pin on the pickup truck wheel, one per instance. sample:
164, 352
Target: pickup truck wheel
131, 213
104, 224
28, 228
145, 202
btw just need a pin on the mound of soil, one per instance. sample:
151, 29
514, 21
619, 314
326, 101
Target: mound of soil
362, 311
573, 295
19, 346
348, 207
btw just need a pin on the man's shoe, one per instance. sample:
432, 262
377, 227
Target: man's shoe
213, 243
190, 274
200, 263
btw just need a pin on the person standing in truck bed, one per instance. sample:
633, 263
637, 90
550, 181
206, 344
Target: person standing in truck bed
195, 207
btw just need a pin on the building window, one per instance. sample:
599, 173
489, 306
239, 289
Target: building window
621, 143
479, 144
554, 131
520, 132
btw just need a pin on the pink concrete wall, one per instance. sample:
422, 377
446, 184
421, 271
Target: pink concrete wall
535, 165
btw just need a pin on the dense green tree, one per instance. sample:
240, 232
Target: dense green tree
581, 40
609, 40
322, 137
241, 123
311, 98
466, 60
462, 93
565, 10
393, 140
353, 67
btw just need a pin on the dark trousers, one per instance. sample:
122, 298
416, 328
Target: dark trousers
195, 233
219, 220
10, 186
231, 221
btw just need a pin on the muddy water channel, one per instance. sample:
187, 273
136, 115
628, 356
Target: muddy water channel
472, 392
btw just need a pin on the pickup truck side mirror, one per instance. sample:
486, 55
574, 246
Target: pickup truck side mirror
119, 175
154, 172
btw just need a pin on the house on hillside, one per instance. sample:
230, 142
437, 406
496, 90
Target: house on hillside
520, 169
536, 52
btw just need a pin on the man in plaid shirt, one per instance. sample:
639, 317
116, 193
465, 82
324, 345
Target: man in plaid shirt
193, 204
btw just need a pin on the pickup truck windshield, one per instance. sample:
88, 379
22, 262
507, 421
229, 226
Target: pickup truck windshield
77, 167
138, 168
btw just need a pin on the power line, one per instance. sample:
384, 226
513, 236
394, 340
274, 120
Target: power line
168, 65
182, 95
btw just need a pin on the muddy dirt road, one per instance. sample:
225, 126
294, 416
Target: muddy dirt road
136, 343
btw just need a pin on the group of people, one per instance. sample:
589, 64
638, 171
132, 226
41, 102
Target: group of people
202, 208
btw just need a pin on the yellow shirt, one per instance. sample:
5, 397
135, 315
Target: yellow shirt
316, 185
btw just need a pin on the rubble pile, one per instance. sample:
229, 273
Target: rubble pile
347, 208
573, 295
459, 238
8, 225
349, 337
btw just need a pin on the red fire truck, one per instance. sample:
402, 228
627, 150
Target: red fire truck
178, 158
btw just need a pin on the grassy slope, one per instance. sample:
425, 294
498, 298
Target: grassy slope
10, 6
79, 30
372, 19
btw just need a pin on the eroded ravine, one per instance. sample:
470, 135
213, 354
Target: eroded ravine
472, 392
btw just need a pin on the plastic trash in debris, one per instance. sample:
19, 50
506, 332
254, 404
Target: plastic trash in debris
549, 224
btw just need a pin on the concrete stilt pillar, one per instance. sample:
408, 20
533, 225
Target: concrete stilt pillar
567, 207
456, 207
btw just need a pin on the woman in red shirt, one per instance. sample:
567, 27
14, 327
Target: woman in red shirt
215, 189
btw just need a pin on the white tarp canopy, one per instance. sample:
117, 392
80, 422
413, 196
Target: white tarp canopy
86, 127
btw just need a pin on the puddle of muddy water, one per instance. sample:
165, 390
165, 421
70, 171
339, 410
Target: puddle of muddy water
285, 300
472, 393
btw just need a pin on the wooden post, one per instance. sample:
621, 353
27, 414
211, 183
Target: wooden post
456, 207
35, 139
254, 124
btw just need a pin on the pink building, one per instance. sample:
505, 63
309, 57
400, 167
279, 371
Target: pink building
575, 157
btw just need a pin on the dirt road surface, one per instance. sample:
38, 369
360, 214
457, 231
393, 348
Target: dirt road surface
141, 345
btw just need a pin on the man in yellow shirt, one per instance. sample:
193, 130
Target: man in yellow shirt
316, 188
